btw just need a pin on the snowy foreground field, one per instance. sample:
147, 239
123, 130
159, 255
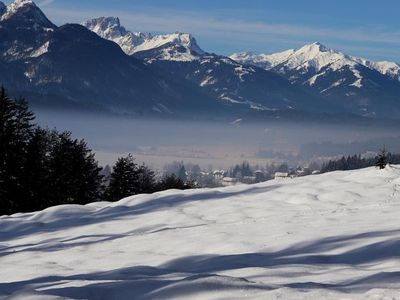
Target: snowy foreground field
331, 236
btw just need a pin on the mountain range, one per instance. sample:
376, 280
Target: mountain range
100, 65
356, 84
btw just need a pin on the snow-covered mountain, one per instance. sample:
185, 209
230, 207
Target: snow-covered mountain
111, 29
388, 68
27, 30
330, 236
314, 58
139, 73
70, 66
178, 55
177, 46
356, 82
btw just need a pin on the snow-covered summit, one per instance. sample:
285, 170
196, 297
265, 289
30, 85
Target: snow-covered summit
17, 6
313, 55
315, 58
176, 46
266, 61
311, 60
388, 68
110, 28
27, 14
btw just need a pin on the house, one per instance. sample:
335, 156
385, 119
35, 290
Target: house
219, 174
229, 181
281, 175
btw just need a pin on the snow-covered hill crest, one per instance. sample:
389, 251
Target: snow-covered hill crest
330, 236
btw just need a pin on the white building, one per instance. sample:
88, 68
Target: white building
281, 175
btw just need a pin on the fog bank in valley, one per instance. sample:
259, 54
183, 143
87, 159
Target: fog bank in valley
214, 144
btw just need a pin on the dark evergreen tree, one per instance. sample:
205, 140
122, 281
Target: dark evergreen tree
36, 179
74, 171
173, 182
124, 179
16, 128
382, 159
146, 180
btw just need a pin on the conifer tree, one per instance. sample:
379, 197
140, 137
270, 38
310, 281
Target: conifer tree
146, 180
382, 159
16, 128
36, 178
124, 179
74, 171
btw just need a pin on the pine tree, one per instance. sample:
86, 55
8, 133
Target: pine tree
382, 159
146, 180
37, 180
172, 182
39, 168
124, 179
16, 128
74, 171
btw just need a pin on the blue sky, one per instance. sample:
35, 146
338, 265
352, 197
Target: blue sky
367, 28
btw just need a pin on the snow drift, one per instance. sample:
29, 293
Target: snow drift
335, 235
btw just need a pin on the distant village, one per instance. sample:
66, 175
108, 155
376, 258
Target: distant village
222, 178
239, 174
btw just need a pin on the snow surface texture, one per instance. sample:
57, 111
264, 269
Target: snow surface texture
331, 236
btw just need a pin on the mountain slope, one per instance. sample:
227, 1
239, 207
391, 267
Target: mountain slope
178, 55
73, 63
355, 84
330, 236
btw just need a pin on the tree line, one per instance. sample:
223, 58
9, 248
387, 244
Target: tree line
40, 167
358, 162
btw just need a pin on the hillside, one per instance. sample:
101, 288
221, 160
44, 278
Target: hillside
318, 237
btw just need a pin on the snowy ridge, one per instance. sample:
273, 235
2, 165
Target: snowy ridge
388, 68
266, 61
29, 12
318, 58
315, 57
110, 28
330, 236
15, 7
178, 46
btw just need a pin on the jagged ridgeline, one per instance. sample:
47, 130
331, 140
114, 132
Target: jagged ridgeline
100, 65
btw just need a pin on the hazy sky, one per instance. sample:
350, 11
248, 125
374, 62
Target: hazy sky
368, 28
